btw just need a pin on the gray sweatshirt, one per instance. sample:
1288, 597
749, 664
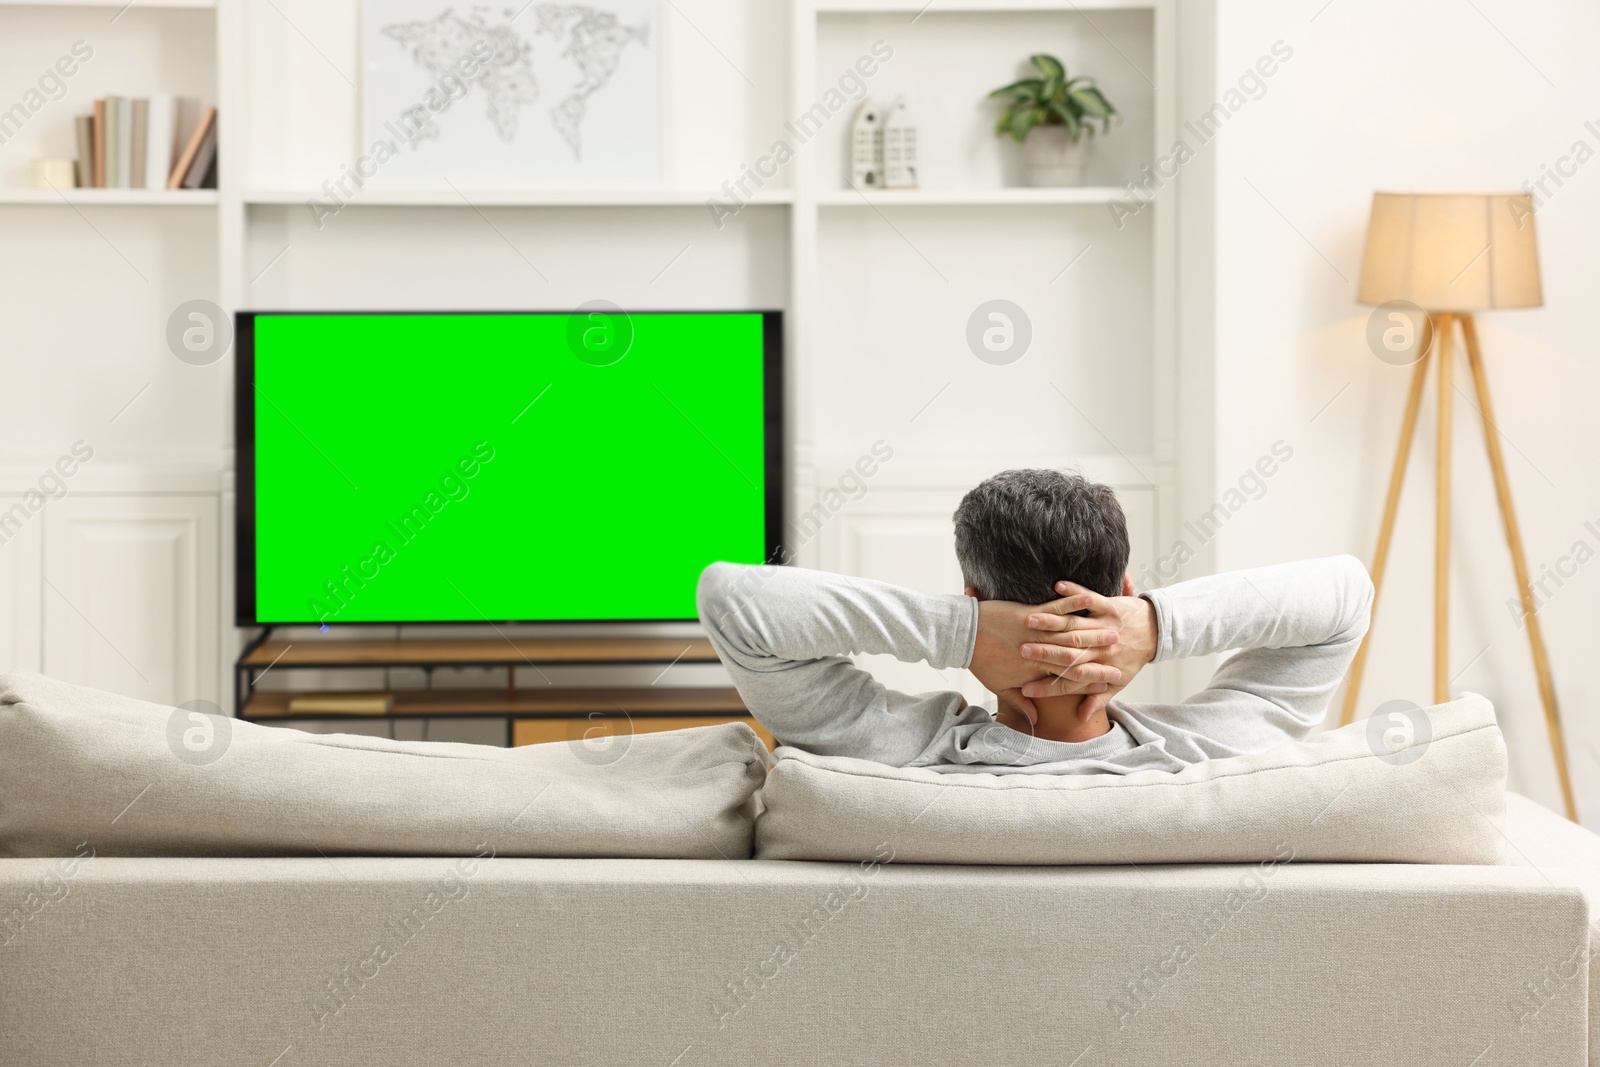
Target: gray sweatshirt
786, 635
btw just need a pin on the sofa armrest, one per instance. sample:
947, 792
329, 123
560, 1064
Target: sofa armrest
1563, 853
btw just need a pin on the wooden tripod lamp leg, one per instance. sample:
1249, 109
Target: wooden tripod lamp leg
1391, 505
1441, 518
1519, 563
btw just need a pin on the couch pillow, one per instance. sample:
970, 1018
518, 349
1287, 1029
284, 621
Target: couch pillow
1369, 792
130, 778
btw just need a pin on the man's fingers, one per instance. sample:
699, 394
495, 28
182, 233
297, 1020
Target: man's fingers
1056, 687
1083, 678
1080, 597
1084, 601
1063, 650
1044, 619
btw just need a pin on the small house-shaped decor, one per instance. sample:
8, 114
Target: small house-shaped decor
899, 147
866, 147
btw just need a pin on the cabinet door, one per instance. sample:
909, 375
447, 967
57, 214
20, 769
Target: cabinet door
20, 562
130, 595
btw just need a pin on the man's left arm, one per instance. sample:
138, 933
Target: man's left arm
1294, 629
1295, 626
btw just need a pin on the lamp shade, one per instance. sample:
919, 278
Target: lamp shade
1451, 251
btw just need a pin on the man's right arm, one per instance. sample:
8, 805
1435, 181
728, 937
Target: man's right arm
786, 634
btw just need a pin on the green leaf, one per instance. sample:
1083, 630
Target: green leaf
1068, 119
1023, 120
1053, 99
1091, 102
1049, 66
1027, 87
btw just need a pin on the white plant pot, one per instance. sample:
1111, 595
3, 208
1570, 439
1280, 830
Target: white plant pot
1049, 158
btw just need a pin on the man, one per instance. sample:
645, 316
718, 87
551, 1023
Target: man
786, 635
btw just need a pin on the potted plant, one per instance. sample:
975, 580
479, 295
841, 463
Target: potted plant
1049, 116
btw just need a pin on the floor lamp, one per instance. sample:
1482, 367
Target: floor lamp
1431, 260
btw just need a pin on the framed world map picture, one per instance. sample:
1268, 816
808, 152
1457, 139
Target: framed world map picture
528, 95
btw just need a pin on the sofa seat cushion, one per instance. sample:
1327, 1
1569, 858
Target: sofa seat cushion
79, 767
1437, 796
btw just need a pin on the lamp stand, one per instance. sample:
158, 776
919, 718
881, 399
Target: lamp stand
1444, 337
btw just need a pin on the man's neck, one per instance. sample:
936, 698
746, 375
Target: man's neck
1058, 720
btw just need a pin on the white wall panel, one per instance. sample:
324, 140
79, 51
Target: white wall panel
130, 595
21, 563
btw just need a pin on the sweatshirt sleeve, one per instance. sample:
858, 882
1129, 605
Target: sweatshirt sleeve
1294, 629
786, 635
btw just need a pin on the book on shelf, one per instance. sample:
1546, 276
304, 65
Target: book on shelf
204, 158
85, 128
124, 142
133, 143
141, 132
97, 145
342, 703
205, 129
160, 131
112, 141
209, 180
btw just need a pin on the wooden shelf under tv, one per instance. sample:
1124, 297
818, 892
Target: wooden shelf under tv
536, 702
532, 713
479, 652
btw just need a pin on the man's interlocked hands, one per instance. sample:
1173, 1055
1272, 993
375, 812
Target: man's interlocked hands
1083, 644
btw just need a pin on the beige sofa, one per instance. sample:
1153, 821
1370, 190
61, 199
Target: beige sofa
286, 962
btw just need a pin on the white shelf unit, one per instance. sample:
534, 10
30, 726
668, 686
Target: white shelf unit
515, 197
113, 5
116, 584
874, 281
1092, 195
876, 295
112, 197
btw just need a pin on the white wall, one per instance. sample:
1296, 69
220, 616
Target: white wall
1426, 94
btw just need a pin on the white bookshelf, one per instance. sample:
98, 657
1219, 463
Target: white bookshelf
1093, 195
515, 197
875, 283
113, 5
875, 296
112, 197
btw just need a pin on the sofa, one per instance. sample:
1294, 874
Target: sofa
681, 962
485, 957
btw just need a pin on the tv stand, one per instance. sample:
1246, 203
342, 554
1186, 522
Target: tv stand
532, 714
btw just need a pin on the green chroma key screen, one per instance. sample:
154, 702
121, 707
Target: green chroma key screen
464, 467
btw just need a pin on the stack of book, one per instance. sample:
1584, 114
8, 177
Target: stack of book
133, 143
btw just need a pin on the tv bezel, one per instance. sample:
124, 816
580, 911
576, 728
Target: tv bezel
245, 613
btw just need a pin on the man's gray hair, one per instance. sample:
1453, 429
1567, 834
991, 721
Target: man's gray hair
1021, 531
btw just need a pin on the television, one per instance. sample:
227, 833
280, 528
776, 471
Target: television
456, 467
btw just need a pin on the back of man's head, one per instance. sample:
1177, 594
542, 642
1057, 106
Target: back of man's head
1021, 531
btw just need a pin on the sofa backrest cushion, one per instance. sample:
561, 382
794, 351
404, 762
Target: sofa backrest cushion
130, 778
1433, 793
